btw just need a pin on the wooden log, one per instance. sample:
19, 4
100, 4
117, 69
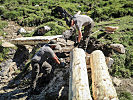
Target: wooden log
34, 40
102, 86
78, 81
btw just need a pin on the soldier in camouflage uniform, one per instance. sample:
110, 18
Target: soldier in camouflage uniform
79, 21
41, 66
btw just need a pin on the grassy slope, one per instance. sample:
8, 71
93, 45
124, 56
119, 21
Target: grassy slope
102, 11
123, 62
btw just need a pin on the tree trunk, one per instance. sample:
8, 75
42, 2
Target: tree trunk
102, 86
78, 81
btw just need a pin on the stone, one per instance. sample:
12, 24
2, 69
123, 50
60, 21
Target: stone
118, 47
36, 5
116, 81
58, 47
67, 34
61, 40
28, 47
7, 44
4, 71
21, 30
1, 37
52, 42
7, 68
69, 43
47, 28
87, 59
4, 77
110, 29
109, 62
41, 31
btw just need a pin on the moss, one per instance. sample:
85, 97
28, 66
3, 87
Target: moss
3, 53
11, 15
124, 95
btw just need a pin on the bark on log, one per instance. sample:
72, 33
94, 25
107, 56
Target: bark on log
102, 86
78, 81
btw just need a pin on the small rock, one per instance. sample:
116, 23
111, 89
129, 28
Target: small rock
61, 40
8, 68
109, 62
118, 47
67, 34
36, 5
1, 37
21, 30
61, 44
7, 44
4, 77
53, 42
110, 29
87, 59
41, 31
116, 81
69, 43
28, 47
2, 7
58, 47
47, 28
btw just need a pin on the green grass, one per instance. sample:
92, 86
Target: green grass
125, 96
2, 25
123, 63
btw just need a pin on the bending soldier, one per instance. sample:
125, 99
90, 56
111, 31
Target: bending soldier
39, 63
79, 21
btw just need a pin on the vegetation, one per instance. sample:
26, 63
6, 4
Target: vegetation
125, 96
38, 13
112, 12
2, 25
123, 63
3, 53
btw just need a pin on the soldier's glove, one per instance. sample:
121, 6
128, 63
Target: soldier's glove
76, 44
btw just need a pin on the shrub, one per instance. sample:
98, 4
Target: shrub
55, 28
124, 95
3, 53
2, 10
2, 25
11, 15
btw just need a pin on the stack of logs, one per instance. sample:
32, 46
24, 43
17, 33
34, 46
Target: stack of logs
102, 86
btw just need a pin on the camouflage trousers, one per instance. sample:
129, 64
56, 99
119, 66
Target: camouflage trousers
40, 74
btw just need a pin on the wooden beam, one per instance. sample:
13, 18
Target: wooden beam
102, 86
34, 40
78, 81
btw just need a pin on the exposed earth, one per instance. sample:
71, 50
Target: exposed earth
15, 77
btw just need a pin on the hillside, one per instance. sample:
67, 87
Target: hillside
34, 14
